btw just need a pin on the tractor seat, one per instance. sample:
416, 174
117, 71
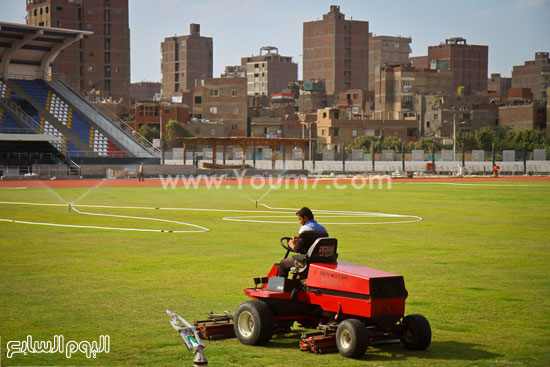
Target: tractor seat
323, 250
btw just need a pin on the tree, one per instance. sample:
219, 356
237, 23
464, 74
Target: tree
174, 130
466, 139
530, 139
485, 137
365, 142
426, 144
148, 133
392, 143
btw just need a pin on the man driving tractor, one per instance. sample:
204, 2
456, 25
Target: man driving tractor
308, 233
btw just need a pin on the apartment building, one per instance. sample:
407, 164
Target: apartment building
534, 74
469, 63
387, 50
223, 100
184, 60
100, 62
336, 50
268, 72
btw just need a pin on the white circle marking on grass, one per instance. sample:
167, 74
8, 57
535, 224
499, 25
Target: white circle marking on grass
271, 211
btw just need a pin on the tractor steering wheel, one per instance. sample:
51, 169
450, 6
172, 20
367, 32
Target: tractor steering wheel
285, 246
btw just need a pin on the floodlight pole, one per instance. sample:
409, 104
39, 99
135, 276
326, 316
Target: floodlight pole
161, 142
454, 137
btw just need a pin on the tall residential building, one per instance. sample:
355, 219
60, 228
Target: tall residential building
184, 60
99, 63
337, 50
469, 63
269, 72
534, 75
387, 50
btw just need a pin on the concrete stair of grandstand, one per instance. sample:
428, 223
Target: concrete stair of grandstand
58, 125
118, 132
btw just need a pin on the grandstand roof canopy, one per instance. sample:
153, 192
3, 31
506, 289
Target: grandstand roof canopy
28, 51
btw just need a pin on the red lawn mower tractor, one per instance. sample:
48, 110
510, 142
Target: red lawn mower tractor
351, 306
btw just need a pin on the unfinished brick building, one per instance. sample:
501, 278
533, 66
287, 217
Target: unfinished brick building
184, 60
469, 63
336, 50
533, 74
99, 63
387, 50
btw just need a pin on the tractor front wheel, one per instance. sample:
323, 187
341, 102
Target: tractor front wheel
417, 333
352, 339
254, 322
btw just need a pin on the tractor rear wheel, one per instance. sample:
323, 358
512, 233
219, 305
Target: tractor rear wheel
254, 322
352, 338
417, 333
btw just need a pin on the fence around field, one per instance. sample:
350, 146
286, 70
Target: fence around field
417, 161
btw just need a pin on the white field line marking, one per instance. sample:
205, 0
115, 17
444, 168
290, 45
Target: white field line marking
14, 188
198, 230
328, 214
288, 213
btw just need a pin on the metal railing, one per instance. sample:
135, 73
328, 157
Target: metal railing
34, 126
29, 122
102, 112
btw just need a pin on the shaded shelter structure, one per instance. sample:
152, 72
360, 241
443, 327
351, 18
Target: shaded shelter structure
244, 143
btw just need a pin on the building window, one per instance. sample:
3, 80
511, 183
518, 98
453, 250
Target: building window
88, 26
58, 8
234, 110
214, 92
214, 110
436, 116
198, 100
90, 68
234, 93
427, 123
336, 131
234, 127
47, 9
354, 133
108, 85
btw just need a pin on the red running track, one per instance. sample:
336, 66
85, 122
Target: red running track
155, 182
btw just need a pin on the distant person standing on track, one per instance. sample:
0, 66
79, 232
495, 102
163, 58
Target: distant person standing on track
496, 167
140, 173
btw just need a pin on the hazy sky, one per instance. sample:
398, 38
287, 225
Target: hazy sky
513, 29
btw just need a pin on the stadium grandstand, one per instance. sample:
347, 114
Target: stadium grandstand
45, 125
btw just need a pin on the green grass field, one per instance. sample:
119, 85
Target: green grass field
477, 266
